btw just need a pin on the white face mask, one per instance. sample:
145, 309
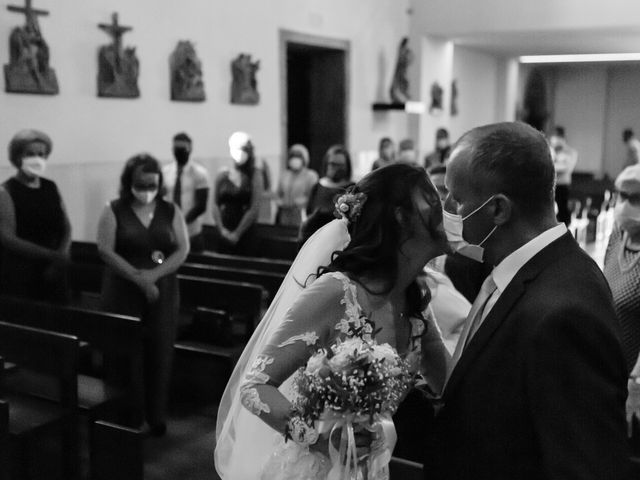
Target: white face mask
34, 166
144, 196
295, 163
239, 155
627, 217
453, 225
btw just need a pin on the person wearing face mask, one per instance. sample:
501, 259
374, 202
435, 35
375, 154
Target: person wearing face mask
537, 383
188, 187
236, 204
441, 154
35, 232
565, 159
336, 178
295, 186
386, 152
622, 269
143, 239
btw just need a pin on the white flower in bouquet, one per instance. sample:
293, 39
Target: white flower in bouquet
387, 353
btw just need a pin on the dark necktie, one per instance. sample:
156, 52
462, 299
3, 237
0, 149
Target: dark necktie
177, 189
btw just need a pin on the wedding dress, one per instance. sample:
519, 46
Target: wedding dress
319, 313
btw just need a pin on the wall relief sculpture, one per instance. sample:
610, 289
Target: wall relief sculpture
186, 74
244, 87
399, 91
118, 67
436, 99
28, 70
454, 98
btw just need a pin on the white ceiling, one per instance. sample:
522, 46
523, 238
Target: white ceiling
554, 42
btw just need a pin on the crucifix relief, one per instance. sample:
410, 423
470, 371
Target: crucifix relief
118, 67
28, 70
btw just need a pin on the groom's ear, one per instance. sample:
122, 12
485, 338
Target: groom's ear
503, 209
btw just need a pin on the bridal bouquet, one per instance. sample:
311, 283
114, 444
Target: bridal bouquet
355, 383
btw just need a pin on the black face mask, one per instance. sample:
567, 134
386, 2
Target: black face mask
181, 155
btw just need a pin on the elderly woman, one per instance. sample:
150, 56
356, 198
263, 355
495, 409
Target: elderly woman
34, 228
622, 269
143, 240
295, 186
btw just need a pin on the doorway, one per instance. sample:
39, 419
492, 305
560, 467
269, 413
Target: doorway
315, 93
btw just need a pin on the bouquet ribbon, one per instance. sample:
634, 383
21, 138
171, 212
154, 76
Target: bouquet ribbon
344, 462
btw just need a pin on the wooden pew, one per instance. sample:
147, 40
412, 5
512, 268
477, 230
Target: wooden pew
242, 300
116, 452
4, 437
273, 241
237, 261
401, 469
202, 365
271, 281
117, 336
47, 353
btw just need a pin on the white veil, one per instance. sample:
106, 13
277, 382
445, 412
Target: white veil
243, 441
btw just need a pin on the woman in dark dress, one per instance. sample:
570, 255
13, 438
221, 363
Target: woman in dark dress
336, 178
143, 240
236, 201
34, 228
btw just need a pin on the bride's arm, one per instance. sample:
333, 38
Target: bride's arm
435, 356
308, 325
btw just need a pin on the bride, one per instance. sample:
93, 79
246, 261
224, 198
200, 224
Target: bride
391, 227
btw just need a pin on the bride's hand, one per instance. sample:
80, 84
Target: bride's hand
363, 436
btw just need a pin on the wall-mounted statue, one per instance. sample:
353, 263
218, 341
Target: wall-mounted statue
454, 98
118, 67
244, 89
28, 70
400, 85
436, 99
186, 74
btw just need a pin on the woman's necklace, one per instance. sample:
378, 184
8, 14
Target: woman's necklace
636, 255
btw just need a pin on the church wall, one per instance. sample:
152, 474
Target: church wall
94, 136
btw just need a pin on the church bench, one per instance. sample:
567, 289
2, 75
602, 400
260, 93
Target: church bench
116, 452
4, 437
242, 300
271, 281
238, 261
55, 355
112, 335
402, 469
272, 241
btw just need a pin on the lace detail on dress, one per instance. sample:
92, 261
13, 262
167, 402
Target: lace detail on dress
250, 399
310, 338
353, 318
249, 396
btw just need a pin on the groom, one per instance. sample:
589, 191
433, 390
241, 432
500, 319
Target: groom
537, 385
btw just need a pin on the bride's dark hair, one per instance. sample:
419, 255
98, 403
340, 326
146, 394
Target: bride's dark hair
376, 235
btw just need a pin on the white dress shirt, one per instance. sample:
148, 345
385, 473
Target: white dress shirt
504, 272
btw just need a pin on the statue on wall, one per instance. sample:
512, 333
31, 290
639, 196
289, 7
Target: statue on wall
118, 67
454, 98
186, 74
436, 99
244, 89
28, 70
400, 85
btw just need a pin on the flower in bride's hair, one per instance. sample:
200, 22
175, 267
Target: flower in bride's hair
349, 205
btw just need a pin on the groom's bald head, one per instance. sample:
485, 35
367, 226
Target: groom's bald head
510, 158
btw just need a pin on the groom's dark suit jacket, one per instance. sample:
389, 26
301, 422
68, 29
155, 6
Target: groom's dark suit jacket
539, 392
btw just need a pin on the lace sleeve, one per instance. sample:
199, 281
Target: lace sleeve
309, 324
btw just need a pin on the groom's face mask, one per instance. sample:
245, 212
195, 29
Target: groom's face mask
453, 227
